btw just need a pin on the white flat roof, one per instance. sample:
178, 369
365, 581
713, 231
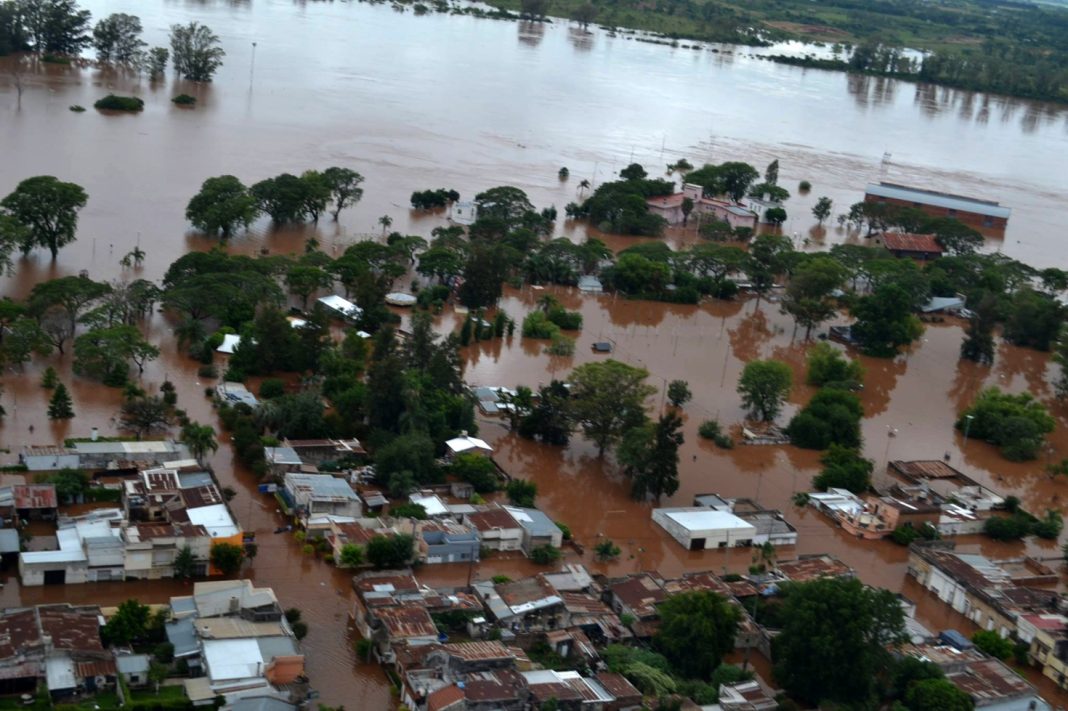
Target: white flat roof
707, 520
216, 518
431, 502
466, 444
230, 341
233, 659
341, 305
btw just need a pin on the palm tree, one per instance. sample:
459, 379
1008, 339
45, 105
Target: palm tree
385, 221
583, 186
200, 439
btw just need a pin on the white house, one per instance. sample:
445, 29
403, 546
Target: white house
466, 443
698, 528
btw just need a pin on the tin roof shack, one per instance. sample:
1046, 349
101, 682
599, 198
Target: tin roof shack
467, 444
538, 529
569, 689
497, 528
745, 696
814, 567
318, 451
527, 605
637, 596
949, 485
75, 658
989, 593
315, 495
445, 541
970, 211
427, 670
30, 501
698, 528
357, 533
129, 457
151, 548
770, 526
912, 246
282, 460
988, 682
233, 598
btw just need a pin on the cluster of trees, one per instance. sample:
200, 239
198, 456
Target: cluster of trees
225, 204
431, 199
1017, 424
61, 28
619, 206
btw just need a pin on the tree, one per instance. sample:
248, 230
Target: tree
650, 457
128, 624
696, 630
70, 294
678, 393
304, 280
585, 14
352, 556
1034, 320
156, 62
607, 399
70, 484
990, 642
55, 26
476, 470
775, 215
48, 209
764, 386
844, 468
196, 51
808, 296
826, 365
50, 378
832, 416
386, 221
771, 173
344, 186
184, 563
606, 550
227, 557
60, 407
833, 644
391, 552
533, 9
142, 415
200, 439
117, 38
522, 492
284, 197
222, 205
978, 343
885, 321
822, 210
545, 555
937, 695
105, 353
1017, 424
486, 267
769, 256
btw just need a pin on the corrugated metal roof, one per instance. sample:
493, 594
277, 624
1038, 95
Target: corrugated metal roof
937, 199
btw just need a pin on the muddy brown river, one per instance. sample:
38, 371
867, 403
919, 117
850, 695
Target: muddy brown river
457, 102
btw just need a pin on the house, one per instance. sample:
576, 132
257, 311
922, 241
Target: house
771, 527
745, 696
568, 689
497, 528
815, 566
133, 668
527, 604
282, 460
30, 501
235, 394
637, 596
320, 495
433, 504
465, 444
464, 212
670, 208
627, 696
698, 528
446, 541
98, 456
988, 682
538, 529
90, 550
358, 533
992, 594
1046, 635
237, 598
341, 307
909, 245
589, 284
970, 211
317, 451
945, 482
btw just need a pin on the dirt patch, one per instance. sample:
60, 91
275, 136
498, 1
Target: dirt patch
799, 28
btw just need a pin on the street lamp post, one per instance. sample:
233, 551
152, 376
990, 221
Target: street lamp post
967, 426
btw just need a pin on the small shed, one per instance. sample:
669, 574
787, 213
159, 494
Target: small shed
133, 668
341, 306
466, 443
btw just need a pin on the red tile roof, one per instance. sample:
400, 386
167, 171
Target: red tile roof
907, 242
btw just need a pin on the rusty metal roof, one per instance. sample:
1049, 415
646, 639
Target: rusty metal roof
406, 622
925, 469
74, 629
35, 496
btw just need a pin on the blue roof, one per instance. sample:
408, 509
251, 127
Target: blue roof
181, 634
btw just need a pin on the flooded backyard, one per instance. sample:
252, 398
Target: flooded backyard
457, 102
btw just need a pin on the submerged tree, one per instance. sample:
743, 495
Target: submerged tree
196, 51
764, 386
222, 205
117, 38
650, 457
48, 209
60, 407
607, 399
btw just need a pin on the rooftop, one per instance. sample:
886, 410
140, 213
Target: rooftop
949, 201
407, 622
813, 568
640, 593
321, 486
696, 518
466, 443
534, 521
216, 519
232, 659
492, 518
908, 242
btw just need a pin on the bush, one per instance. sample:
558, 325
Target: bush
990, 642
827, 366
184, 100
565, 530
561, 346
844, 468
1017, 424
208, 371
272, 388
111, 102
76, 108
537, 325
710, 429
545, 555
804, 186
522, 492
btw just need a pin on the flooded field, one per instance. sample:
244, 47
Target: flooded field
436, 101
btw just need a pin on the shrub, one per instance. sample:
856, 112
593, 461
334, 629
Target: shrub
111, 102
561, 346
710, 429
992, 643
208, 371
76, 108
272, 388
184, 100
1017, 424
537, 325
55, 59
844, 468
545, 555
564, 529
804, 186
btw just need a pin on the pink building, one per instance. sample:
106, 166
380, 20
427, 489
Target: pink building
670, 208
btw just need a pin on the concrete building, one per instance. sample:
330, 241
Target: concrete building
446, 541
102, 456
704, 208
698, 528
538, 529
991, 685
992, 594
497, 528
321, 495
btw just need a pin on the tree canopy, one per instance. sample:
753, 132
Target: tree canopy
696, 631
764, 385
607, 399
48, 210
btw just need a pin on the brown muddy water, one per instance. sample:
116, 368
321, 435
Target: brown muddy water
467, 104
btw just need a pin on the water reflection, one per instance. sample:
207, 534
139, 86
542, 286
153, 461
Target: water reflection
580, 39
530, 33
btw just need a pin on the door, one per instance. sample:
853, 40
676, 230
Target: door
697, 544
55, 577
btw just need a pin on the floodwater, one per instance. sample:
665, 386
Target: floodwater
437, 101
